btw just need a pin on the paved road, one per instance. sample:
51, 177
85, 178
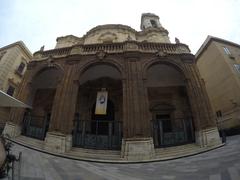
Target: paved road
220, 164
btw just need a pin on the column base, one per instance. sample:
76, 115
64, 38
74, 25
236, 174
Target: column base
136, 149
11, 130
208, 137
58, 142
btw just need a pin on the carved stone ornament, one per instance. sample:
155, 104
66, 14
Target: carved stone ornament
131, 46
50, 61
37, 55
182, 49
100, 55
76, 50
161, 54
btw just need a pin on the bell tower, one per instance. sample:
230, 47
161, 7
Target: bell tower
150, 20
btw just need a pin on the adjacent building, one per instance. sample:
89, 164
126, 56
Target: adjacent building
115, 88
13, 64
218, 61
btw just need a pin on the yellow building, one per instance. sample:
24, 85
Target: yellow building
218, 61
13, 63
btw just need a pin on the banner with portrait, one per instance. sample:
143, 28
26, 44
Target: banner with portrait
101, 103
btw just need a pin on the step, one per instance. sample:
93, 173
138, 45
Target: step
106, 156
29, 141
177, 150
95, 151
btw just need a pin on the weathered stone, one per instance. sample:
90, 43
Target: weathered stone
137, 149
58, 142
12, 130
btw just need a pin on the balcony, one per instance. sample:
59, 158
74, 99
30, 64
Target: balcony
144, 47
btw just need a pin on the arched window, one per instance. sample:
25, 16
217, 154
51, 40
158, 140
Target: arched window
154, 24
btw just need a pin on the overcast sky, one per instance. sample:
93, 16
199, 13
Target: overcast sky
40, 22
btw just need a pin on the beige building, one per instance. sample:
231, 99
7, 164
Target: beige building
13, 63
218, 61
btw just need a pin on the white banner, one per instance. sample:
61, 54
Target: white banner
101, 103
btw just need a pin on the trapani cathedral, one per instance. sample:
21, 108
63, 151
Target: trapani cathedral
115, 88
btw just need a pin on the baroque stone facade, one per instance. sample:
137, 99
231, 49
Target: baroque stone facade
156, 97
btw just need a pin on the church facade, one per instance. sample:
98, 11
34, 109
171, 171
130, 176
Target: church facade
115, 88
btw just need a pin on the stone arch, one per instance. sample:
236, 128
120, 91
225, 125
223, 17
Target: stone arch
167, 61
95, 62
94, 77
165, 80
43, 83
43, 67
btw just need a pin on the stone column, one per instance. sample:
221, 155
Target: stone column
137, 143
59, 135
206, 131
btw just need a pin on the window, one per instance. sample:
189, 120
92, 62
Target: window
226, 50
2, 54
237, 67
10, 90
21, 68
154, 24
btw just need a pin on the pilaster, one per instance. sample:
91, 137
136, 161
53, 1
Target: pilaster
136, 117
208, 137
202, 112
64, 103
58, 142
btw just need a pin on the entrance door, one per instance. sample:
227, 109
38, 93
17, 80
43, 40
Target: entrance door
162, 125
165, 122
101, 123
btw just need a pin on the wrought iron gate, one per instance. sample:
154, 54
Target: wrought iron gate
35, 126
175, 137
97, 134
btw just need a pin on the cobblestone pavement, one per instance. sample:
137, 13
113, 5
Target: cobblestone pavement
219, 164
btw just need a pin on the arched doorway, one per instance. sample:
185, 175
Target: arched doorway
169, 105
99, 131
43, 87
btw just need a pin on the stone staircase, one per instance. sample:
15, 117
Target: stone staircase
94, 154
30, 142
178, 151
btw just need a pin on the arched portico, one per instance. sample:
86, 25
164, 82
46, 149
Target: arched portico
36, 121
93, 130
169, 105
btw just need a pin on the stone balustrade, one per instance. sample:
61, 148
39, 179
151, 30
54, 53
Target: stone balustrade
115, 48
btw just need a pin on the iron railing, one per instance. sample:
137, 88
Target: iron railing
97, 134
35, 126
178, 136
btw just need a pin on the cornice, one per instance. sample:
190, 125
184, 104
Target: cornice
113, 48
21, 45
108, 27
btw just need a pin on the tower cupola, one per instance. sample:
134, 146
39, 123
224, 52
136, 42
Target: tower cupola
150, 20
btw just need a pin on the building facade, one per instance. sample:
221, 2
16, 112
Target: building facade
151, 89
13, 64
218, 61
